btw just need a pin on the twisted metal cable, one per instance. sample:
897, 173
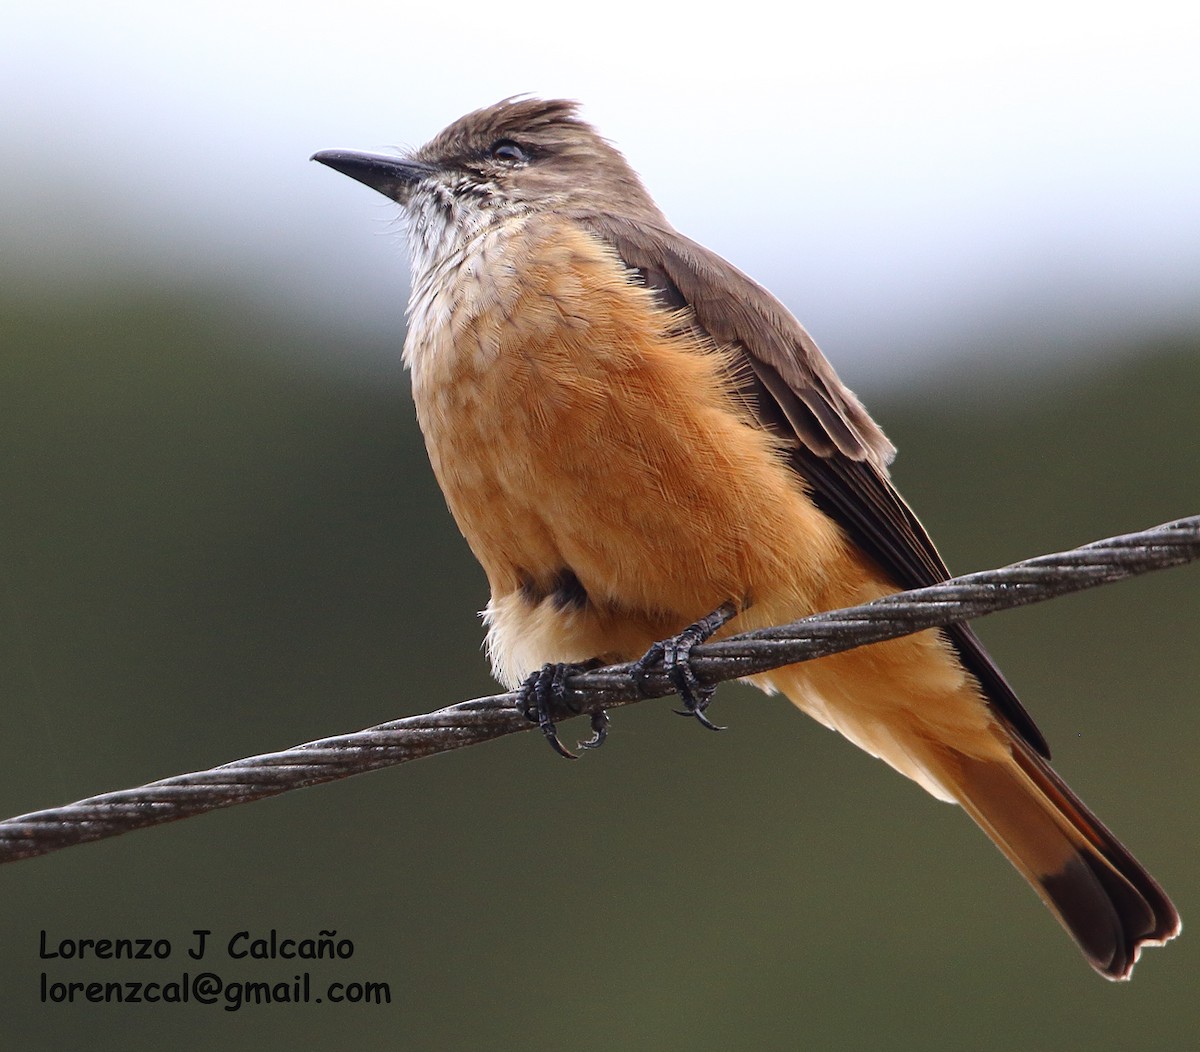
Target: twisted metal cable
481, 719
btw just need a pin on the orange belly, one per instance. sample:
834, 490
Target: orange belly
573, 429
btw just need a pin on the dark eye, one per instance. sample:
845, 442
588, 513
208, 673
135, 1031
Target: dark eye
508, 152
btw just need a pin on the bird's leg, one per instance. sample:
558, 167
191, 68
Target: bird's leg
547, 687
675, 656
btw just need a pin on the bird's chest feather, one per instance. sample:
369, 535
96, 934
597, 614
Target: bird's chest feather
500, 392
573, 429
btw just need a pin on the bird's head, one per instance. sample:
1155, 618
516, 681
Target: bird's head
517, 157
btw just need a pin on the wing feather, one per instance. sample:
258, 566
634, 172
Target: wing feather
834, 445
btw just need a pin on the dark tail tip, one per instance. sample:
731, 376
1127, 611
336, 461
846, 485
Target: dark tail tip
1111, 907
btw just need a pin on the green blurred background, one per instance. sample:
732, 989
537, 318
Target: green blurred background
219, 534
213, 546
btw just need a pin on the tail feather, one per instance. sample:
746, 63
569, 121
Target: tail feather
1100, 893
908, 705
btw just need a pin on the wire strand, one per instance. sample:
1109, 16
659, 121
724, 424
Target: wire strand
481, 719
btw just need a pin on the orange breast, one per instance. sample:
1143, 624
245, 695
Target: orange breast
572, 427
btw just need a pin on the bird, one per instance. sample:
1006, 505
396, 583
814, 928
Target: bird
644, 448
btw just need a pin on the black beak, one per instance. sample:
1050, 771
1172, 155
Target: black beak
393, 177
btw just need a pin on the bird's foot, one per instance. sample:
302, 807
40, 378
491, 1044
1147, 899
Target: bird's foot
545, 689
674, 655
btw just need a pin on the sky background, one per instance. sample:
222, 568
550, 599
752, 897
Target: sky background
910, 179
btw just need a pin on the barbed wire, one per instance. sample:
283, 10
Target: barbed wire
481, 719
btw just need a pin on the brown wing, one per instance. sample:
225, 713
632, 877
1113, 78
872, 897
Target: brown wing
834, 445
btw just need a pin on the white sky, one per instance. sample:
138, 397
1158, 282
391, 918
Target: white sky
901, 174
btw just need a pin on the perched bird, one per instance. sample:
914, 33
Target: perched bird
632, 435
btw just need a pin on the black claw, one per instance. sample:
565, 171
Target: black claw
698, 715
599, 731
674, 655
536, 697
547, 688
